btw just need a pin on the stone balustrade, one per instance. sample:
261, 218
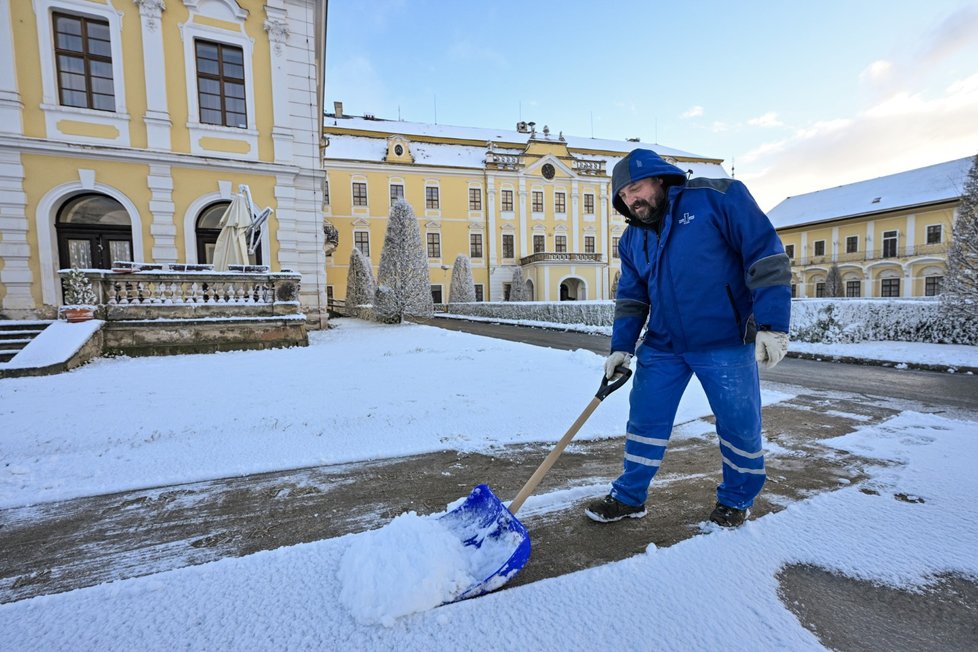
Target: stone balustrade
560, 257
183, 294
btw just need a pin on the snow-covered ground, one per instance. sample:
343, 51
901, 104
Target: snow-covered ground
363, 391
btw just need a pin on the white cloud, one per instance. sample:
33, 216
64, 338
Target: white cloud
903, 132
877, 71
769, 119
958, 32
719, 127
692, 112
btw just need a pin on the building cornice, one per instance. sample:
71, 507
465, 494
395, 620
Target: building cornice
148, 157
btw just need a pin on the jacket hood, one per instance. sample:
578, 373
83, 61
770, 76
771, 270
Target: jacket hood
641, 164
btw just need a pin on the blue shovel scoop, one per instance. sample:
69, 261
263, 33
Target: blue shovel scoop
499, 542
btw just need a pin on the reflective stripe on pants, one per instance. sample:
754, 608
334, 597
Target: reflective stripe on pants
730, 381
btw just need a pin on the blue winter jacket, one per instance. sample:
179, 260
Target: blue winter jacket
713, 274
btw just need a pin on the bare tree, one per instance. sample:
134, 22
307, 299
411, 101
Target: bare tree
517, 289
834, 287
959, 295
403, 283
614, 285
463, 287
360, 285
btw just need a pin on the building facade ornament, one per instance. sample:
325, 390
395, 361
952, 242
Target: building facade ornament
278, 33
151, 10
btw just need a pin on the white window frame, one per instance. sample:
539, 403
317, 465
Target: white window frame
190, 32
56, 115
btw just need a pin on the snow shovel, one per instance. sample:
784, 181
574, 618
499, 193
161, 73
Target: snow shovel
501, 543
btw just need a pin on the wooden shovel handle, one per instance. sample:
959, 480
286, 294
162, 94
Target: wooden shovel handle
605, 389
541, 471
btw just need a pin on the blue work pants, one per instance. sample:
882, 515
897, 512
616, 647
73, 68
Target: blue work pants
730, 380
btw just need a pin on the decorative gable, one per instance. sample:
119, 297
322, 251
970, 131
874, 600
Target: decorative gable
398, 150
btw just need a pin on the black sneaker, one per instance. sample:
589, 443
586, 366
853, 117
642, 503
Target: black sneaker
725, 516
609, 510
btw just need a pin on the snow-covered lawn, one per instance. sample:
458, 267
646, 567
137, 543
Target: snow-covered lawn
364, 391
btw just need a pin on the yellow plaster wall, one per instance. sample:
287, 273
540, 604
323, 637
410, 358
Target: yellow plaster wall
176, 82
28, 67
944, 217
894, 223
135, 76
824, 233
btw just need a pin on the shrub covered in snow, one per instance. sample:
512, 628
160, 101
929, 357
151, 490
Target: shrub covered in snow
78, 289
517, 286
463, 286
857, 320
590, 313
812, 320
360, 285
960, 292
403, 284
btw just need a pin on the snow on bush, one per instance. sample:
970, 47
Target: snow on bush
403, 284
360, 285
812, 320
463, 286
960, 291
590, 313
517, 286
857, 320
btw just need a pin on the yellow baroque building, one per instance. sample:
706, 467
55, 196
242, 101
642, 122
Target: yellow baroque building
888, 237
527, 199
127, 125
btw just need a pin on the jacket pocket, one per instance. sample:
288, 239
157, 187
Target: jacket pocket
749, 330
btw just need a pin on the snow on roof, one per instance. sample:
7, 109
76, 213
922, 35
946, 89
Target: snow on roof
374, 149
927, 185
483, 135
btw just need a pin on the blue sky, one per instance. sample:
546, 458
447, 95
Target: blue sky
795, 97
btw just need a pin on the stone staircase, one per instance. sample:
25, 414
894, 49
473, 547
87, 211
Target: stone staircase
15, 335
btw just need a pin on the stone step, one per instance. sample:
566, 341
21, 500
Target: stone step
14, 336
15, 344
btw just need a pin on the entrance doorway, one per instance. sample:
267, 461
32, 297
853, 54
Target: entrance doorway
93, 230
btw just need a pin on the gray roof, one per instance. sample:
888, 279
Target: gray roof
928, 185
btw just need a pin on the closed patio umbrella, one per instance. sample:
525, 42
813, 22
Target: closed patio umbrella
232, 243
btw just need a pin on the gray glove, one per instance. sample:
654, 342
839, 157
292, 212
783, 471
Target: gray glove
770, 347
616, 359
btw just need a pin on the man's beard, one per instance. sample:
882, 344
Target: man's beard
652, 213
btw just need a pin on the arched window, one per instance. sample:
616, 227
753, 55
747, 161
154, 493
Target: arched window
209, 227
93, 230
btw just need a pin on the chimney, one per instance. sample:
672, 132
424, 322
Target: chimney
338, 109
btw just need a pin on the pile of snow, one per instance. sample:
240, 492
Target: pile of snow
412, 564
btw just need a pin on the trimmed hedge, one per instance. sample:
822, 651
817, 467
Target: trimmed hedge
812, 320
